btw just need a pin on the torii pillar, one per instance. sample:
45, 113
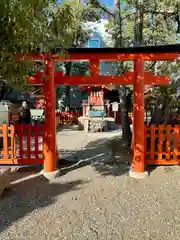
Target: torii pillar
50, 156
137, 169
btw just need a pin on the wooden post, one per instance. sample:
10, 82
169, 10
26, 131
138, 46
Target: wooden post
138, 107
50, 118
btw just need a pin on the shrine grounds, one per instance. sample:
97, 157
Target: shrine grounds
95, 199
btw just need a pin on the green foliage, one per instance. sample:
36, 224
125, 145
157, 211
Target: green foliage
23, 26
30, 24
80, 69
159, 27
73, 35
143, 22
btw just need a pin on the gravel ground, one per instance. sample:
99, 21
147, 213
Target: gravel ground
98, 201
77, 145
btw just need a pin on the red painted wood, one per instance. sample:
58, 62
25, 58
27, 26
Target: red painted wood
28, 135
36, 140
138, 123
126, 79
20, 139
50, 116
5, 140
176, 139
68, 117
21, 161
94, 67
118, 117
158, 155
100, 56
25, 156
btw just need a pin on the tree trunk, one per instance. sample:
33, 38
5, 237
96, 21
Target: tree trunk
68, 67
138, 27
126, 130
2, 89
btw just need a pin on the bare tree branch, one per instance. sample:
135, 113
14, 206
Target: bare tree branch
153, 64
97, 4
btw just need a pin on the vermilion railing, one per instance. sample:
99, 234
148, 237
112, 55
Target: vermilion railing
162, 145
22, 144
118, 117
68, 117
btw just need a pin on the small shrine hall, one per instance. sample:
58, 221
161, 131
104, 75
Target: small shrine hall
99, 97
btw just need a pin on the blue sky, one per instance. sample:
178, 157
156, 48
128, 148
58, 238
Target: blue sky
107, 3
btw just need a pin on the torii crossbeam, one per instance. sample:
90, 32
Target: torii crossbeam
127, 79
138, 78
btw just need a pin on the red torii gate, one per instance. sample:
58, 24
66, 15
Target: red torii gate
138, 78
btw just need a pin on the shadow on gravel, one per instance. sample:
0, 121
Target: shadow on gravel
97, 155
30, 195
151, 168
25, 171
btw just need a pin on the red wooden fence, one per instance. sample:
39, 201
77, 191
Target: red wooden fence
162, 145
68, 117
22, 144
118, 117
